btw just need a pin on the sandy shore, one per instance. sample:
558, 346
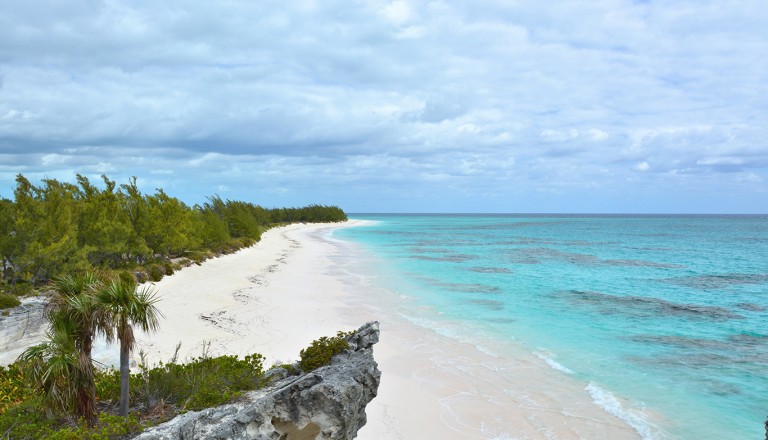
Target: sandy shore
298, 284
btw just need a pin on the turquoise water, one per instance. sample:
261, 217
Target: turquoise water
668, 312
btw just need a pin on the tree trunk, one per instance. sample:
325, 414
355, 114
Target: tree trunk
88, 397
86, 391
124, 376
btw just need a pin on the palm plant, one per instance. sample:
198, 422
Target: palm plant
127, 306
63, 367
74, 300
74, 304
58, 368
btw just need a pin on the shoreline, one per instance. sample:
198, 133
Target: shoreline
299, 283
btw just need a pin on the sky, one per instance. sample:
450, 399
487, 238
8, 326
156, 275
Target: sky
613, 106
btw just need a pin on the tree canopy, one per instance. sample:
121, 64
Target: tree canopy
57, 227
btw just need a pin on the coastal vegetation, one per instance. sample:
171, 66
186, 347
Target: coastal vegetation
88, 248
28, 410
320, 351
58, 227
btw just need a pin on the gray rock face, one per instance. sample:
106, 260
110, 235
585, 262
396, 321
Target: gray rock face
24, 326
328, 403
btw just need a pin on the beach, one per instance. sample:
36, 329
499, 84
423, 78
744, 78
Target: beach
299, 283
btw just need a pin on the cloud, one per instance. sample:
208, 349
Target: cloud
362, 95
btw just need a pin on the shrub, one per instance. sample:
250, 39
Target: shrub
155, 272
8, 301
27, 420
14, 388
168, 268
321, 351
197, 256
20, 289
201, 383
126, 277
290, 368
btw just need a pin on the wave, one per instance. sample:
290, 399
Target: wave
553, 363
612, 406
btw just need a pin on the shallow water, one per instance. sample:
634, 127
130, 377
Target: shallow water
659, 318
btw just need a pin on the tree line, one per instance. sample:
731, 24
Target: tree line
58, 227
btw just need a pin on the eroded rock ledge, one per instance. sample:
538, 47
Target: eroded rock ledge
327, 403
22, 327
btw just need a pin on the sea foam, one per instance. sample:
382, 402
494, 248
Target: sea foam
553, 364
612, 406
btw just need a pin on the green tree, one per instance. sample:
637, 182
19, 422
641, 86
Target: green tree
8, 241
74, 303
168, 229
134, 205
57, 369
46, 229
127, 306
211, 229
105, 232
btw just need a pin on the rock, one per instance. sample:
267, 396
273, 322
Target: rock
275, 374
325, 404
23, 327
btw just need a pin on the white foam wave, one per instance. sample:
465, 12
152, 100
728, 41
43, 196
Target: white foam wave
612, 406
553, 363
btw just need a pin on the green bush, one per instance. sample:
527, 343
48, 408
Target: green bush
27, 420
155, 272
126, 277
8, 301
14, 386
202, 383
197, 256
19, 289
290, 368
168, 268
321, 351
108, 427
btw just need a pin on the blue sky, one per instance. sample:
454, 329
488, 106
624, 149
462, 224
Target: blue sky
395, 106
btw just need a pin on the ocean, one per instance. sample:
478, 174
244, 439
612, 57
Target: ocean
662, 319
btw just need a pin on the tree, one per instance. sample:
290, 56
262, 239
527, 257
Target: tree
46, 230
169, 222
74, 303
127, 306
8, 242
104, 228
57, 368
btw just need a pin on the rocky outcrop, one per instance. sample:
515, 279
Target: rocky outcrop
23, 326
327, 403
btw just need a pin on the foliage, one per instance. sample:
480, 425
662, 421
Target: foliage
128, 306
107, 427
14, 386
201, 383
321, 351
27, 420
55, 369
8, 301
59, 227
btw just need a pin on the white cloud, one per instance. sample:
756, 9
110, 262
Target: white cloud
398, 12
386, 92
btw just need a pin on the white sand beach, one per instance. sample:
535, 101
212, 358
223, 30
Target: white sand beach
295, 286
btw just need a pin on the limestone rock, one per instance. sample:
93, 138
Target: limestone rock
325, 404
23, 327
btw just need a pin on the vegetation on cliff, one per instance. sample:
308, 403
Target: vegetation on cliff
157, 393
